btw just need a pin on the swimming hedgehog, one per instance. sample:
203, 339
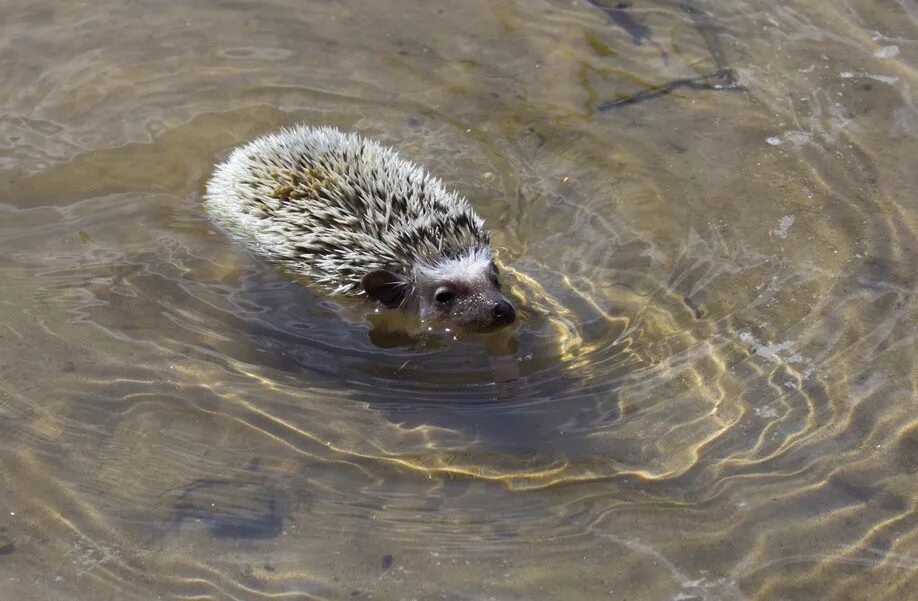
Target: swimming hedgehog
357, 219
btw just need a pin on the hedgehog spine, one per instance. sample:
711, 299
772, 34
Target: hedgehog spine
334, 206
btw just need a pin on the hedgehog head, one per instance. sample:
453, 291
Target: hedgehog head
463, 291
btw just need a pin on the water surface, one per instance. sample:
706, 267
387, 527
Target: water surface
707, 214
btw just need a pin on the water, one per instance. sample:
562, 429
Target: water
706, 210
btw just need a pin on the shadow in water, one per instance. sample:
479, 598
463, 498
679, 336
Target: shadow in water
484, 387
211, 503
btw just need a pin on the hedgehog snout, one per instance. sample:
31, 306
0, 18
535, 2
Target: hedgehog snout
487, 309
503, 312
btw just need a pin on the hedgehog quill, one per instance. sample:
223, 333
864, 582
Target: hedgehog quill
358, 219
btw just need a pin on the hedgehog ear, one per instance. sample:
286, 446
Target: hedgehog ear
385, 287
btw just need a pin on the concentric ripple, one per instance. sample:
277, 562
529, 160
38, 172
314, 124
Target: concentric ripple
705, 213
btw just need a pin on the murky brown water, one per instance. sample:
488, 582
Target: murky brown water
709, 211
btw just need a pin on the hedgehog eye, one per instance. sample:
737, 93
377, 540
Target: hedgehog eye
444, 295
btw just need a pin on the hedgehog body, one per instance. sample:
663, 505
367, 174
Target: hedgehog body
356, 218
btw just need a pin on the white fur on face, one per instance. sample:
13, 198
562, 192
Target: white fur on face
469, 268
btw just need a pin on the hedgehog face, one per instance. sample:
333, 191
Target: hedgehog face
463, 292
471, 303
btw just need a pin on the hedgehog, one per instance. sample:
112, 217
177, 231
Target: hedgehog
357, 219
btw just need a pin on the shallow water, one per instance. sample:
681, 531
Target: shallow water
707, 212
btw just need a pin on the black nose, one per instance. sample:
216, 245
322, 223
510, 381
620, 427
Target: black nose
503, 312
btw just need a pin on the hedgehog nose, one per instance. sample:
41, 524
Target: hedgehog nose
503, 313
